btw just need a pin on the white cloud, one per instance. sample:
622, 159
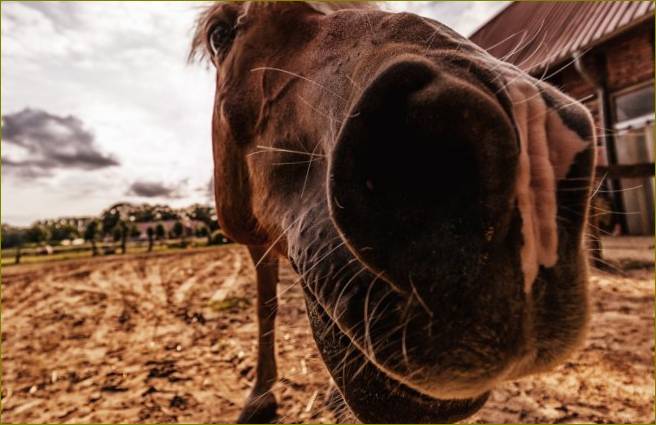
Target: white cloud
462, 16
121, 68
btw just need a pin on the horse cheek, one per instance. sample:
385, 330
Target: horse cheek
232, 190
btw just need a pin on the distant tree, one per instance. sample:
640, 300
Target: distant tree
18, 254
19, 247
151, 233
134, 231
200, 213
12, 236
204, 214
164, 212
204, 232
201, 231
110, 219
36, 234
124, 236
177, 229
143, 213
116, 233
218, 238
160, 232
61, 231
90, 234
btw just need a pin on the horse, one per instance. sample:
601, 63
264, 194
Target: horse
431, 198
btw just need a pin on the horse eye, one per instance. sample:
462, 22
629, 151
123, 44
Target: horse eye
220, 37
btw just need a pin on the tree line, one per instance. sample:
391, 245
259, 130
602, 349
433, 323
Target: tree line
119, 223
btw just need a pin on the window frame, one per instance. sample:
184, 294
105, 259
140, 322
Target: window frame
636, 122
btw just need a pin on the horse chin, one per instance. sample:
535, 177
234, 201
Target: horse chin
372, 395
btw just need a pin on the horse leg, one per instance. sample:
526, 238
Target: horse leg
261, 403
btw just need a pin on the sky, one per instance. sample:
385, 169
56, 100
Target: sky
100, 106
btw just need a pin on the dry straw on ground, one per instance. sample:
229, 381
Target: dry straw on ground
149, 339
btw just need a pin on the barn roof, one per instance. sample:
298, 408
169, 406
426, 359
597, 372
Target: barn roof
537, 35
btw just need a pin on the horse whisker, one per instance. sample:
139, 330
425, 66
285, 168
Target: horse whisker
301, 77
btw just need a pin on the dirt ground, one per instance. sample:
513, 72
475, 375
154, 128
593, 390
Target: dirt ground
171, 338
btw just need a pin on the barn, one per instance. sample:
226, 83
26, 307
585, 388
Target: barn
602, 54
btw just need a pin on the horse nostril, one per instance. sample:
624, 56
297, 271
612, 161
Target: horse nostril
425, 155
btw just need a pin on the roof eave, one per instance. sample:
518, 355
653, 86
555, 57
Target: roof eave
492, 19
596, 43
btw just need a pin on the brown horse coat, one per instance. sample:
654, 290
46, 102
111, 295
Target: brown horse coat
431, 197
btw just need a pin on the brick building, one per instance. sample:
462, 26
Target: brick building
602, 54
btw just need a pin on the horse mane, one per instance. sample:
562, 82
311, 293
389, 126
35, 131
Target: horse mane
199, 49
334, 6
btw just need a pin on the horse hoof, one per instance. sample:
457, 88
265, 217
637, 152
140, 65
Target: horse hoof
259, 409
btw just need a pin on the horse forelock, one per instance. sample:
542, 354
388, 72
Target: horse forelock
199, 48
331, 7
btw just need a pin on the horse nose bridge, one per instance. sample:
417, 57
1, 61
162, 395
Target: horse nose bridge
425, 159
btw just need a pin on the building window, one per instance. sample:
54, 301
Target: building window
634, 129
635, 104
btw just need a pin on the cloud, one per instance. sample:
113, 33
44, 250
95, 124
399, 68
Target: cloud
62, 14
209, 190
463, 17
40, 143
120, 68
150, 189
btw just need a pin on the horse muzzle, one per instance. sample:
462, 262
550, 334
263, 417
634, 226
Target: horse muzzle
422, 174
